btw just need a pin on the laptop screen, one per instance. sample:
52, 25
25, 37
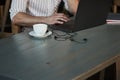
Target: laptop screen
92, 13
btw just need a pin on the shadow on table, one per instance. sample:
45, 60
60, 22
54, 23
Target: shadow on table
6, 78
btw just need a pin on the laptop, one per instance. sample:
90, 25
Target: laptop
90, 13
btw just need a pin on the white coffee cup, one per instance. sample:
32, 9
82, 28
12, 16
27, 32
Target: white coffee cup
40, 29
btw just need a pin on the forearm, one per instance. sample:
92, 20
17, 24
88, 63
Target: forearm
24, 19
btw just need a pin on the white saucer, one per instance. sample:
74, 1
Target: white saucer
32, 33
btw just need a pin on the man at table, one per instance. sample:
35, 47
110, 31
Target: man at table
29, 12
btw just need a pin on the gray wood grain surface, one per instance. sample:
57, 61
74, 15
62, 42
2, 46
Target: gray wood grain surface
25, 58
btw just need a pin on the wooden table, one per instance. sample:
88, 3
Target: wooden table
25, 58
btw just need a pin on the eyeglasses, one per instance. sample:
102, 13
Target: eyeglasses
62, 36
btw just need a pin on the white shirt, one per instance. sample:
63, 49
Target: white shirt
35, 7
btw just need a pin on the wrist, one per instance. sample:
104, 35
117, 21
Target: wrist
41, 19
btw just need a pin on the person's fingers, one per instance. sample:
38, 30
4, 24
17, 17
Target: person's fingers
59, 22
61, 15
62, 19
57, 18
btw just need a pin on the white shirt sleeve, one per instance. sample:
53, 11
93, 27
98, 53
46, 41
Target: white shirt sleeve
66, 4
17, 6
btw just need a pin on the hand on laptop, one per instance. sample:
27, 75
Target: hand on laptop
57, 18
